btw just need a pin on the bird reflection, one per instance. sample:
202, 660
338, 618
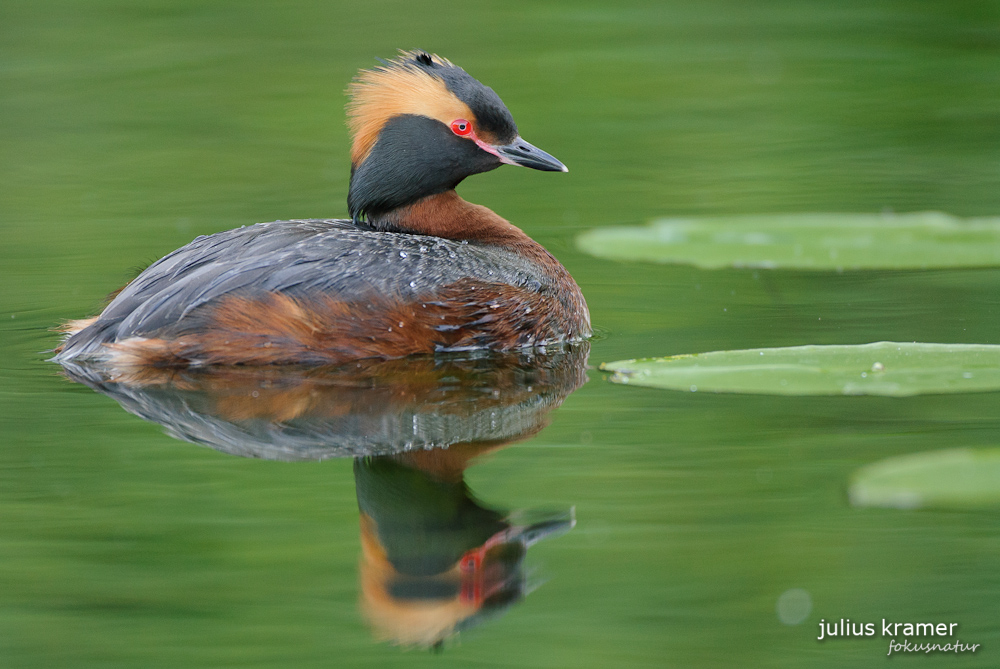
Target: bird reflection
434, 560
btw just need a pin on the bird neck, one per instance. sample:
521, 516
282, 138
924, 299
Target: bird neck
449, 216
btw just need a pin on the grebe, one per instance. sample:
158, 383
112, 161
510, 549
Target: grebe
417, 269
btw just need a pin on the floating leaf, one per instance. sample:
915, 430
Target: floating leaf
882, 368
806, 241
959, 477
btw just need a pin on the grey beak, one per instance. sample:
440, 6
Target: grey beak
520, 152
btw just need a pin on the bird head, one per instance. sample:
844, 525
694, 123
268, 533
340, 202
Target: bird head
420, 125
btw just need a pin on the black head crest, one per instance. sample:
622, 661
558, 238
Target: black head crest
400, 115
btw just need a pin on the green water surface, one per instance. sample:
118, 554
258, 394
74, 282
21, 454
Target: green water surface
128, 128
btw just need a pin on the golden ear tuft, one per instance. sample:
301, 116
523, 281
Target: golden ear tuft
404, 85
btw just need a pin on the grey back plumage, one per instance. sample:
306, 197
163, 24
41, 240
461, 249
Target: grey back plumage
301, 258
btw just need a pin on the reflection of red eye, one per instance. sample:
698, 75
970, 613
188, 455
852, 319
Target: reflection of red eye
461, 127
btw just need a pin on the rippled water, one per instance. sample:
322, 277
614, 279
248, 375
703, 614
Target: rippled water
707, 530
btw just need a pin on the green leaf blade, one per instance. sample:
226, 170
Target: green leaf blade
821, 242
954, 478
895, 369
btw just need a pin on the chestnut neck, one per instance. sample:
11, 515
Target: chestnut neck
449, 216
449, 464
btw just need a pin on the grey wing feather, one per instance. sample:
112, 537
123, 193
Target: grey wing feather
302, 257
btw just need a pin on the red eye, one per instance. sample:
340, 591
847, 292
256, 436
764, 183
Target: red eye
461, 127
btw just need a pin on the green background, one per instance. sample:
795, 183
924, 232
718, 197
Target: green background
128, 128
